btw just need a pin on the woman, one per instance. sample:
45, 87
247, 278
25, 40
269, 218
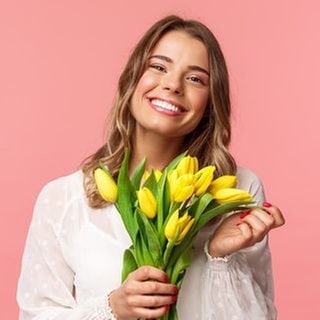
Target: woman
173, 95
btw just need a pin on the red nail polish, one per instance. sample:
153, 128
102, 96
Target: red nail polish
175, 290
244, 214
174, 298
167, 307
267, 205
166, 278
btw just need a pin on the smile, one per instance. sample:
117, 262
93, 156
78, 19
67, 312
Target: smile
166, 105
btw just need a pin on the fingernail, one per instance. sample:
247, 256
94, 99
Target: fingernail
167, 307
244, 214
165, 278
175, 290
267, 205
174, 298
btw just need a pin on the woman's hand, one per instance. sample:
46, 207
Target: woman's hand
145, 294
243, 230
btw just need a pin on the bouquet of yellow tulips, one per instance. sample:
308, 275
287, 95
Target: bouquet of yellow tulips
164, 211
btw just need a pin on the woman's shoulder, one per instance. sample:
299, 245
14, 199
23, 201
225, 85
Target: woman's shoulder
250, 181
246, 175
64, 187
58, 198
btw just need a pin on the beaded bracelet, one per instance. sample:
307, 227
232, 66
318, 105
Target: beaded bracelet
109, 310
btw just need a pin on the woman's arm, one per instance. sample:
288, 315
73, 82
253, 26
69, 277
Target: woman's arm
45, 288
240, 285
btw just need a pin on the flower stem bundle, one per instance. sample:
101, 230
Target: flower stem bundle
164, 211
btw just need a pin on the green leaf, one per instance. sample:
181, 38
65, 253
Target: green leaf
182, 248
125, 195
150, 237
138, 174
140, 248
129, 263
183, 262
172, 165
200, 205
151, 183
220, 210
163, 200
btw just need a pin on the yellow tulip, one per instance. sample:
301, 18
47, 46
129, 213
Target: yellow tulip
183, 224
106, 185
146, 175
227, 195
226, 181
187, 164
147, 202
157, 174
181, 187
204, 178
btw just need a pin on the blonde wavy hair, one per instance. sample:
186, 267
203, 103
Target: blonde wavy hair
209, 141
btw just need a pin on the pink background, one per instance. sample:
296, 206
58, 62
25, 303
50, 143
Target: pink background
59, 63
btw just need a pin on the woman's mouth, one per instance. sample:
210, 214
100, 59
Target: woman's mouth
166, 105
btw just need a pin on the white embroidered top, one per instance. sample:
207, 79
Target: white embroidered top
73, 259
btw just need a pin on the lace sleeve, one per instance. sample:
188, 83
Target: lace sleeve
240, 286
45, 288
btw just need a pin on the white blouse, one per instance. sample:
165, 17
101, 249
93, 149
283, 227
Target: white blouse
73, 258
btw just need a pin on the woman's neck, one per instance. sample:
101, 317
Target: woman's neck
158, 151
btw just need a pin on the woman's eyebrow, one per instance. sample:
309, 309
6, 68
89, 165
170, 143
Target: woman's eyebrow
192, 67
161, 57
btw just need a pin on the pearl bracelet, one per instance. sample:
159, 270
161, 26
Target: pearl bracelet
109, 310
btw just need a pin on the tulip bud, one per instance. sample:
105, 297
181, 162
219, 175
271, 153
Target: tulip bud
187, 164
147, 202
106, 185
204, 178
157, 174
181, 188
227, 195
226, 181
183, 224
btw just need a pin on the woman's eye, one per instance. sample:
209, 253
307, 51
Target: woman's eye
158, 67
195, 79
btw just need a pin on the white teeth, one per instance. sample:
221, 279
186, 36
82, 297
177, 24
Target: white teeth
165, 105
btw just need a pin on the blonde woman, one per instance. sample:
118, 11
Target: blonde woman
173, 95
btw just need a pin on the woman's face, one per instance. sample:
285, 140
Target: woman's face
172, 94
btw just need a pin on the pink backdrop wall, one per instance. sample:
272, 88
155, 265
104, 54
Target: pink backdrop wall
59, 62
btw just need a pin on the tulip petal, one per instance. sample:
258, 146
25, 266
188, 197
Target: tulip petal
226, 181
231, 194
147, 202
171, 226
106, 185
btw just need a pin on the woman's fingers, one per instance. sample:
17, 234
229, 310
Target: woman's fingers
276, 213
152, 301
152, 314
149, 280
149, 273
146, 294
244, 229
261, 221
151, 287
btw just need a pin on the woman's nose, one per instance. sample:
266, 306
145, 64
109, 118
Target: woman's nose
172, 82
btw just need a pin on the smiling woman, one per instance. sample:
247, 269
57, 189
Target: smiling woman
173, 92
172, 97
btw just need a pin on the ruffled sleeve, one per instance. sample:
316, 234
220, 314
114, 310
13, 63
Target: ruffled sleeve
46, 284
240, 286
